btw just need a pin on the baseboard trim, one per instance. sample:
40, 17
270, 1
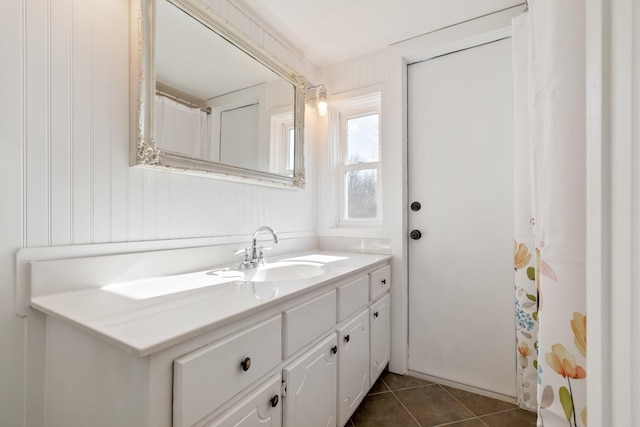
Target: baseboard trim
465, 387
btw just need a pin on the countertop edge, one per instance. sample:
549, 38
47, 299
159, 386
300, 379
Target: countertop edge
44, 305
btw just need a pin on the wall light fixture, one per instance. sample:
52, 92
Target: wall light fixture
318, 93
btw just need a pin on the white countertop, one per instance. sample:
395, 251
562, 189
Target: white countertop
149, 315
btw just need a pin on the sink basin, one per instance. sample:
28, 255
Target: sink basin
269, 274
284, 270
278, 271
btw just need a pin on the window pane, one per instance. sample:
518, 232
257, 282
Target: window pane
362, 139
362, 200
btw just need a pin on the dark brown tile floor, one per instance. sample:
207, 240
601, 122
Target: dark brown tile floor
398, 401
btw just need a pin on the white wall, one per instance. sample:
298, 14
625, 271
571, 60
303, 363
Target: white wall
64, 134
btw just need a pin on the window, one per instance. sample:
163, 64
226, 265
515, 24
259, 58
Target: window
359, 162
282, 144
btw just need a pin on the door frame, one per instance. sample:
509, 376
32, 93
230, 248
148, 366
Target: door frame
469, 34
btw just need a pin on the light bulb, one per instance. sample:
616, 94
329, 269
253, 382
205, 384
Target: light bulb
322, 108
322, 101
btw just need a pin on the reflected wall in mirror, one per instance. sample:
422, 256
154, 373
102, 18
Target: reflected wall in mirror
211, 101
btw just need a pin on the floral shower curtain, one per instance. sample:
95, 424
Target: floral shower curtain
550, 195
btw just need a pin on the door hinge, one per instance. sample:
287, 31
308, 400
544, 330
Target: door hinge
283, 389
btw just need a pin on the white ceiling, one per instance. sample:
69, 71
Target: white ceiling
332, 31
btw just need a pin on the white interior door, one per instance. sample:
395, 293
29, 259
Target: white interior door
461, 315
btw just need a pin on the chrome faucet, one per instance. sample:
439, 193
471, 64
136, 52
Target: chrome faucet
253, 256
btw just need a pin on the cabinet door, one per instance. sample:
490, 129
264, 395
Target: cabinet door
380, 320
310, 380
353, 365
262, 408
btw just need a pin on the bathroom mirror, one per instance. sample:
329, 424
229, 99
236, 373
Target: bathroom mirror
212, 101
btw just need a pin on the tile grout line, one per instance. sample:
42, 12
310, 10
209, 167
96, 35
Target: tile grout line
479, 417
458, 400
453, 423
499, 412
406, 409
405, 388
401, 389
400, 401
475, 416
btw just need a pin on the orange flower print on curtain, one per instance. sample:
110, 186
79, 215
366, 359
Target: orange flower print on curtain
524, 350
564, 363
521, 255
579, 327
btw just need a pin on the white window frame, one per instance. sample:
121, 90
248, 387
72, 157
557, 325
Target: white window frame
353, 109
281, 124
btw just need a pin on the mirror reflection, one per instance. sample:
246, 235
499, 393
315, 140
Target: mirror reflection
215, 103
206, 108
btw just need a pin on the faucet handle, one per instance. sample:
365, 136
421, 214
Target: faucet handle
246, 252
261, 249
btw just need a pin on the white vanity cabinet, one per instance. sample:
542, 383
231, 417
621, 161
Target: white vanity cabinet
305, 358
343, 361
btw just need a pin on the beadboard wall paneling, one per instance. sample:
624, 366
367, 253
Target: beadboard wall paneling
12, 128
37, 136
356, 73
81, 100
60, 123
119, 152
102, 103
66, 180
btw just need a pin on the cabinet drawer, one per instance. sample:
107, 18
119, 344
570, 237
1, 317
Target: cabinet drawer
308, 321
380, 281
262, 407
206, 378
352, 297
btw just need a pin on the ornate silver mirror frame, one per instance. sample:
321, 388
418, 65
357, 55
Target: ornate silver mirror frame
145, 152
